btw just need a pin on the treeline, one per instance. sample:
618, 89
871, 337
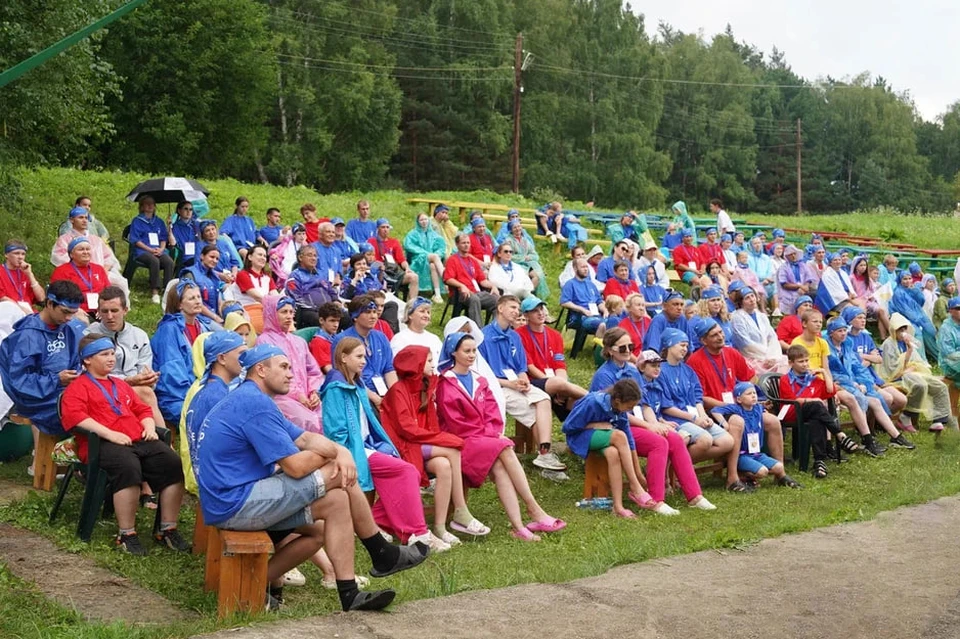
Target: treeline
418, 94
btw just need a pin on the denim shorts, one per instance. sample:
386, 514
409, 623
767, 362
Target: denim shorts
696, 432
753, 463
279, 502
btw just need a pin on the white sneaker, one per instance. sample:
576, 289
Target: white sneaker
429, 539
437, 298
703, 504
665, 509
155, 299
549, 461
450, 539
294, 578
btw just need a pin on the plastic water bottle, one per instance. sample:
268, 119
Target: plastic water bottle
595, 503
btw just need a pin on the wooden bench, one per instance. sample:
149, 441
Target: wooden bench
523, 440
44, 470
236, 570
596, 477
954, 395
201, 533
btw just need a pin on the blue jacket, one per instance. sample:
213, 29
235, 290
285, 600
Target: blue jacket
240, 229
593, 407
228, 254
31, 359
342, 403
846, 366
208, 283
173, 358
185, 231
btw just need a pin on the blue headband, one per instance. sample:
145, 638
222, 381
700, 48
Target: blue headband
705, 325
205, 224
836, 324
726, 238
77, 211
298, 228
75, 242
477, 221
686, 233
259, 353
672, 296
62, 302
672, 337
14, 246
801, 300
450, 344
849, 313
711, 292
219, 343
513, 212
96, 346
741, 388
366, 247
953, 303
417, 303
441, 208
183, 285
946, 280
232, 308
286, 301
371, 306
779, 233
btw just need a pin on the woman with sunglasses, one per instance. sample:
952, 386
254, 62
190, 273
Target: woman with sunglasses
508, 277
414, 331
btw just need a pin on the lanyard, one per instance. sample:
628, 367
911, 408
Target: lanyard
112, 398
86, 282
723, 364
544, 352
17, 284
469, 268
638, 327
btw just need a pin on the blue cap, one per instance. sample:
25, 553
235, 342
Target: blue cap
440, 208
77, 211
735, 286
836, 324
365, 247
850, 312
779, 233
75, 242
704, 326
383, 222
337, 221
803, 299
711, 292
726, 238
531, 303
513, 213
946, 280
259, 353
953, 303
672, 337
220, 342
477, 221
742, 387
234, 307
298, 228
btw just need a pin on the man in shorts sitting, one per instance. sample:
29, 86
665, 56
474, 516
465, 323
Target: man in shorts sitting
257, 471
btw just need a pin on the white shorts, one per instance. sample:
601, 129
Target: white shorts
520, 406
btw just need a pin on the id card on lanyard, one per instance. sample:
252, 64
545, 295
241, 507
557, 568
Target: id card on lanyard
726, 396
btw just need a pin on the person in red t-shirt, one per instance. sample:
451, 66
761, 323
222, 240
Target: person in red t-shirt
481, 244
17, 281
636, 323
790, 327
811, 390
546, 365
330, 316
90, 277
130, 451
464, 276
719, 368
389, 251
686, 259
710, 251
621, 284
312, 222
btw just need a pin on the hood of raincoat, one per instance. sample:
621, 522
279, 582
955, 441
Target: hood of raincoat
236, 319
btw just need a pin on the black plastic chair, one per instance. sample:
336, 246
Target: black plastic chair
96, 491
800, 442
579, 340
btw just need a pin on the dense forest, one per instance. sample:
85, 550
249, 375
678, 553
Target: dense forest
418, 94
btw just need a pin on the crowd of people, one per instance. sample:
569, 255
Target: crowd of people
292, 434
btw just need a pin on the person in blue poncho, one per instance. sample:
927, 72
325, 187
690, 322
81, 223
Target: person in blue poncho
171, 343
240, 228
41, 357
229, 263
908, 301
426, 250
599, 422
683, 219
948, 340
630, 227
870, 354
203, 273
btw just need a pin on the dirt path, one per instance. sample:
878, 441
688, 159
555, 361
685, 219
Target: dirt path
895, 576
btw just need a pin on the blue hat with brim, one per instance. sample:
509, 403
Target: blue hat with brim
337, 221
531, 303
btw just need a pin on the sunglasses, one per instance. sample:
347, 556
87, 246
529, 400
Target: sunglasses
623, 349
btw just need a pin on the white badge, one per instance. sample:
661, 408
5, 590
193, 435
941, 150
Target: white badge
379, 385
638, 411
388, 257
783, 411
476, 286
693, 411
548, 372
486, 259
692, 266
189, 248
509, 374
592, 309
330, 275
153, 239
727, 397
753, 443
93, 301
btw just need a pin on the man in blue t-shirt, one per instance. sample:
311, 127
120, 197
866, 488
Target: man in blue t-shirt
362, 229
583, 301
378, 374
257, 471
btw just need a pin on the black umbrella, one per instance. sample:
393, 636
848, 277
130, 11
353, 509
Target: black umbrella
169, 189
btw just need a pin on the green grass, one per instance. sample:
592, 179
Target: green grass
593, 542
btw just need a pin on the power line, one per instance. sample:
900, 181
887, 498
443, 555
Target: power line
406, 76
391, 66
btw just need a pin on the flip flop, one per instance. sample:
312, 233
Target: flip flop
625, 513
647, 504
524, 534
547, 527
474, 528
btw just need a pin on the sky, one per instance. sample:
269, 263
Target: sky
913, 44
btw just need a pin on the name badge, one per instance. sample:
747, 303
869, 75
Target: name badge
592, 308
153, 239
693, 411
509, 374
692, 266
638, 411
753, 443
727, 397
476, 286
189, 249
486, 259
783, 411
379, 385
330, 275
93, 301
389, 259
548, 372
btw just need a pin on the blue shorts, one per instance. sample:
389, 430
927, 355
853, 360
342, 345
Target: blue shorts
688, 277
279, 502
753, 463
696, 432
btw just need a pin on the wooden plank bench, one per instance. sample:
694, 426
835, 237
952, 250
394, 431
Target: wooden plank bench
201, 533
596, 478
44, 469
523, 440
236, 569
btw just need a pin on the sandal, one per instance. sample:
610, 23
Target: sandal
789, 482
739, 487
820, 469
410, 556
524, 534
149, 501
644, 500
624, 513
848, 445
551, 524
474, 528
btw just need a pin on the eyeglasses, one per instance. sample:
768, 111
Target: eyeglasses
506, 251
623, 349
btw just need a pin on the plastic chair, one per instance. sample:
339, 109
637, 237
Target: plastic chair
800, 443
307, 333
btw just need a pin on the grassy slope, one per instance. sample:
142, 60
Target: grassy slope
593, 543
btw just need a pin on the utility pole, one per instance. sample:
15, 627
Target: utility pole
799, 168
517, 91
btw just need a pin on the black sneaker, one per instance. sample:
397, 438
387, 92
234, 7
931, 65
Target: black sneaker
872, 448
131, 544
901, 442
171, 538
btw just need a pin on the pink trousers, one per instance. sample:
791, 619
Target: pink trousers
398, 509
657, 449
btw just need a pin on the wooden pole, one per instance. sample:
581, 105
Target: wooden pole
517, 92
799, 168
